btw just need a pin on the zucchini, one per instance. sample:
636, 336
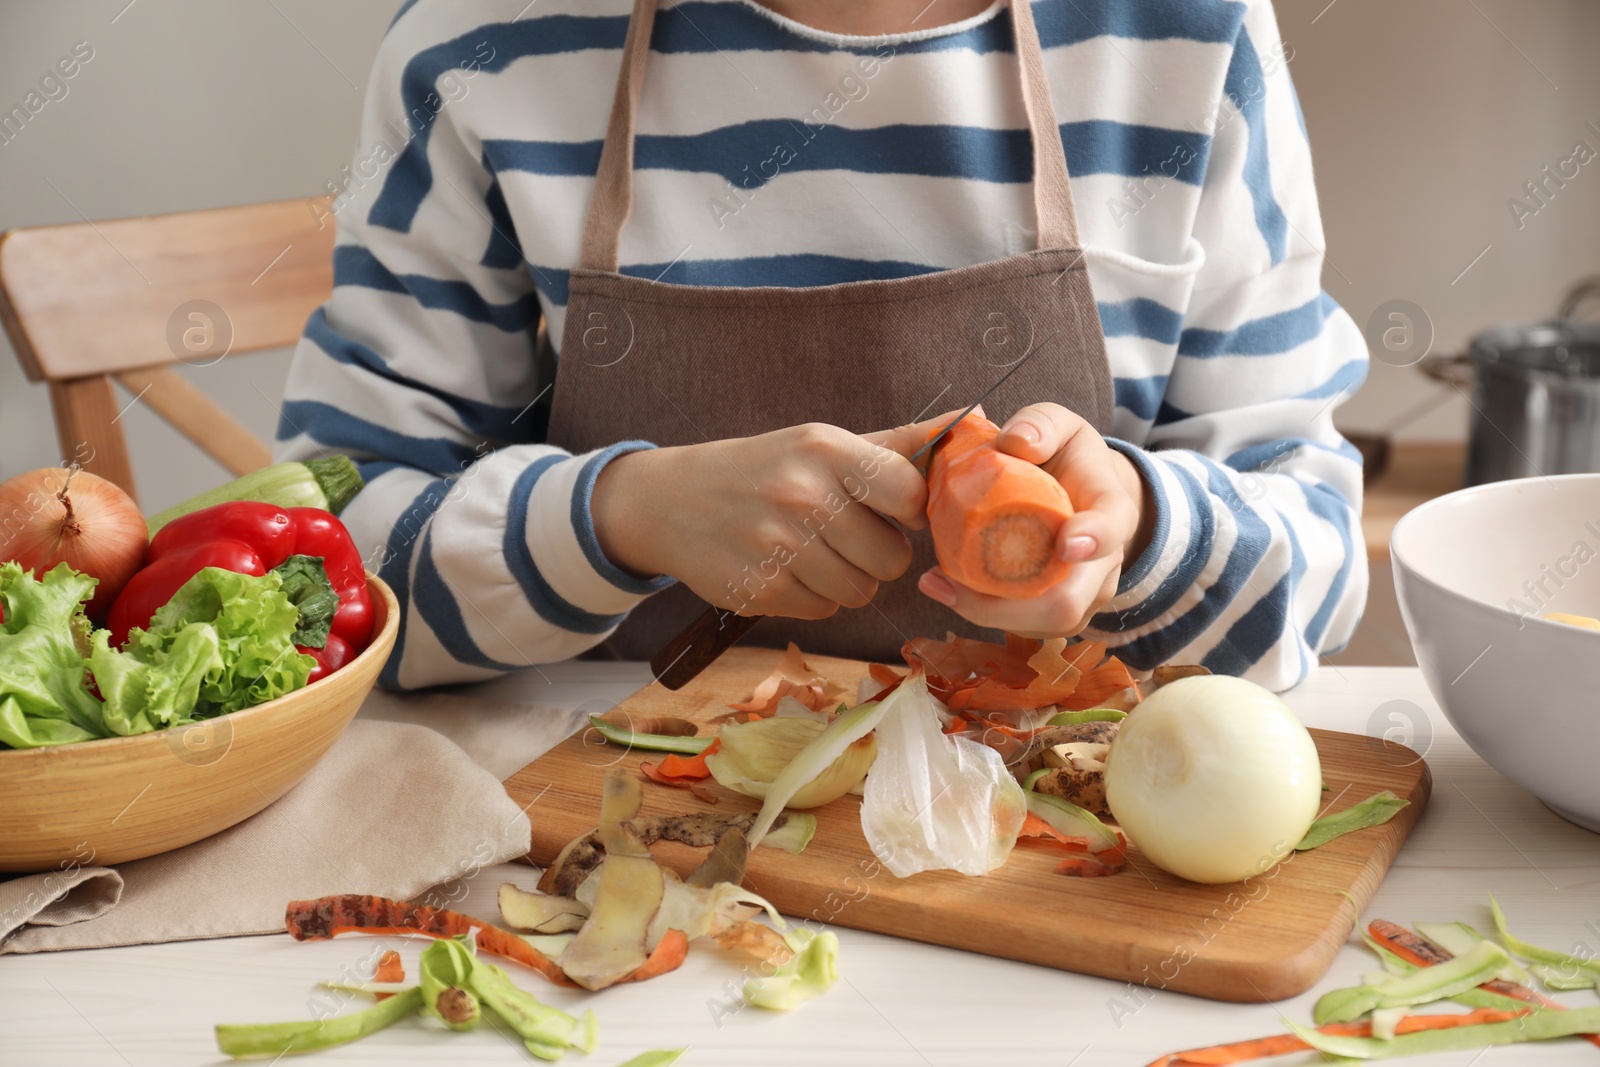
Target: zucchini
327, 483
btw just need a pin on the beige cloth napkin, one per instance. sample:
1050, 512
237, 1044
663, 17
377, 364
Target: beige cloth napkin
500, 735
393, 809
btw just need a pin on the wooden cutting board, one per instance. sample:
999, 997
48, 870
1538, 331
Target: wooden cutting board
1265, 939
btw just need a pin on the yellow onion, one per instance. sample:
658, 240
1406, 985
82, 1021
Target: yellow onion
55, 515
752, 754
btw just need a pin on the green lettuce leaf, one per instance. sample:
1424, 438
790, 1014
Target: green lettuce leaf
224, 642
43, 698
254, 624
154, 687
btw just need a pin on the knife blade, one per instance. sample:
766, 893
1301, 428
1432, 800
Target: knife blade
715, 629
939, 437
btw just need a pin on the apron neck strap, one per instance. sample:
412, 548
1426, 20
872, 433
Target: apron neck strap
1052, 191
612, 199
613, 183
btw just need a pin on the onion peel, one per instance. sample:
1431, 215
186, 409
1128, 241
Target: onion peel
792, 677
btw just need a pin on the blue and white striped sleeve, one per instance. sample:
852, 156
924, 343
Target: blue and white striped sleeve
421, 366
1257, 563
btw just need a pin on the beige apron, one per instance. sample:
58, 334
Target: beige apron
711, 362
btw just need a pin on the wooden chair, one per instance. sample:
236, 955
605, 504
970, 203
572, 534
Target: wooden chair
87, 302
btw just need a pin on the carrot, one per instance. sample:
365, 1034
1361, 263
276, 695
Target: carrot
691, 783
326, 917
1283, 1044
994, 517
390, 969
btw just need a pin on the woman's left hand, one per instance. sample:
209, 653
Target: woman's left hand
1110, 524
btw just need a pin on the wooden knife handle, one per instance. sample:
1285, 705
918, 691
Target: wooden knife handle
698, 645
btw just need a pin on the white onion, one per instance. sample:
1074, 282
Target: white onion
1213, 778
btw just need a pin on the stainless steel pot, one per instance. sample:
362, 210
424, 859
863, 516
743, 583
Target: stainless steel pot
1535, 395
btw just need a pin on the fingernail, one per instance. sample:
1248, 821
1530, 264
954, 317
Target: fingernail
938, 587
1027, 431
1080, 547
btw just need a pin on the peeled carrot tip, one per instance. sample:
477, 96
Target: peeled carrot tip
995, 517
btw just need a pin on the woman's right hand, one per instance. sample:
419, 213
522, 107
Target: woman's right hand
795, 522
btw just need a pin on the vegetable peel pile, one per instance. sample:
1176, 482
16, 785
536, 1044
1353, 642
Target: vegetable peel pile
1041, 713
1024, 673
605, 914
455, 987
942, 789
1372, 1021
792, 677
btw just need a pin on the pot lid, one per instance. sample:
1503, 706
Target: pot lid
1564, 347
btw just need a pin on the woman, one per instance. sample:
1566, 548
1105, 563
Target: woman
774, 244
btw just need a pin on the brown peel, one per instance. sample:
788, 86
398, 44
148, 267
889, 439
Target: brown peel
613, 942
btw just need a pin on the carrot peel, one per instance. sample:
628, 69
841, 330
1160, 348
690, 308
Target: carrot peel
972, 677
794, 677
390, 969
692, 783
327, 917
690, 766
668, 955
1283, 1044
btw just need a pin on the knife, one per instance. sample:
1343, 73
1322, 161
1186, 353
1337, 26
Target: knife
938, 438
716, 629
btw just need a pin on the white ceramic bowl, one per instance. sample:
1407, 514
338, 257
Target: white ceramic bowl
1475, 572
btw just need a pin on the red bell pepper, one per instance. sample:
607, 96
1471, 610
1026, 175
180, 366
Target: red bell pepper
252, 538
330, 657
242, 536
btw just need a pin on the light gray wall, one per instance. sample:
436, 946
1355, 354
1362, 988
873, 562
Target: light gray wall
186, 104
1424, 119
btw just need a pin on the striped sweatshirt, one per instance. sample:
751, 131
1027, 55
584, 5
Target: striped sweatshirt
770, 153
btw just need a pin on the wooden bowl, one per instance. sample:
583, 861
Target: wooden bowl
125, 798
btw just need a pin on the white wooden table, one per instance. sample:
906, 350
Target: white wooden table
897, 1002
